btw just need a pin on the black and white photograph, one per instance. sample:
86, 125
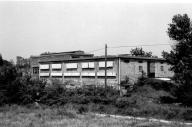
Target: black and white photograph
96, 63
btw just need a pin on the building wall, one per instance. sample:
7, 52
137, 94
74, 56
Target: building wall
131, 69
34, 63
163, 73
83, 76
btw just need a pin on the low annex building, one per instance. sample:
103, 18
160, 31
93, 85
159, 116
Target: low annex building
86, 69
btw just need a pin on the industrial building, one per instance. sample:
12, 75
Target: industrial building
87, 69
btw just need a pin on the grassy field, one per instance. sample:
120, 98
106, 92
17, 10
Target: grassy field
23, 116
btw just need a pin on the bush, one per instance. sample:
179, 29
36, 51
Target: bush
28, 90
124, 102
143, 100
184, 94
58, 94
8, 74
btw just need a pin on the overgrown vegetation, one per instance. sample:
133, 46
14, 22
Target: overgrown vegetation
67, 116
180, 57
148, 97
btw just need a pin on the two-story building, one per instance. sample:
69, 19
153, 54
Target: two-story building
86, 69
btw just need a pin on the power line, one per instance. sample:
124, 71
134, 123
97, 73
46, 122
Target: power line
138, 45
96, 50
126, 46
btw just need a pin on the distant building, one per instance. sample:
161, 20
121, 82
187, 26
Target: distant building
87, 69
23, 65
20, 61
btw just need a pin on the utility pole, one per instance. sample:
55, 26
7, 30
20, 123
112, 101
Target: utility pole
105, 66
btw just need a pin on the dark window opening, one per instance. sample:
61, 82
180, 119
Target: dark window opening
126, 61
71, 69
56, 69
103, 68
108, 77
162, 68
75, 56
44, 70
35, 70
140, 68
88, 69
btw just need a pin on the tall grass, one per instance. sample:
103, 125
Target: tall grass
66, 116
144, 100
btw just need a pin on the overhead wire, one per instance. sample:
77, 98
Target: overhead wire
138, 45
95, 50
126, 46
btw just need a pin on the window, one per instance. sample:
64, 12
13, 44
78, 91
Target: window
88, 66
162, 68
71, 66
102, 65
35, 70
69, 74
44, 74
140, 68
56, 67
44, 66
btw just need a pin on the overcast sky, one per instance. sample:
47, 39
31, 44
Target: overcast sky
30, 28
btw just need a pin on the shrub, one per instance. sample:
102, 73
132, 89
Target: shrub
124, 102
28, 90
141, 79
58, 94
8, 74
186, 115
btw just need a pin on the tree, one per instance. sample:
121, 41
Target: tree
141, 52
180, 57
1, 60
164, 54
8, 74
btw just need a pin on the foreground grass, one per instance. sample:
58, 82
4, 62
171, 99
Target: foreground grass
22, 116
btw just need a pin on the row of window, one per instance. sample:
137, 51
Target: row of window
36, 69
74, 74
85, 65
85, 68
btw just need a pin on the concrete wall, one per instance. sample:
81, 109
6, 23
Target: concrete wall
95, 76
131, 69
34, 62
163, 73
88, 76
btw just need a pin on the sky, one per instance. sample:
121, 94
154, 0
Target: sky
30, 27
